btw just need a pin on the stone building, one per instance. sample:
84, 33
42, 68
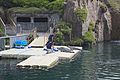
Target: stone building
42, 22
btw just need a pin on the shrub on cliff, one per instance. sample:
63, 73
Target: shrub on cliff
64, 27
115, 4
63, 33
89, 36
59, 39
103, 7
91, 26
81, 13
56, 5
74, 42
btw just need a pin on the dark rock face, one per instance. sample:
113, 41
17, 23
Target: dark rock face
98, 13
70, 17
115, 25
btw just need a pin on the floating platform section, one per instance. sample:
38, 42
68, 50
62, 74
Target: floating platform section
64, 55
32, 52
22, 53
39, 62
11, 53
67, 55
40, 58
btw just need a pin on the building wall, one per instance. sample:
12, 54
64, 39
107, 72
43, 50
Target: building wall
40, 25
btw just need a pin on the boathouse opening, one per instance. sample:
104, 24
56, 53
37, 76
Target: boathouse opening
23, 19
42, 22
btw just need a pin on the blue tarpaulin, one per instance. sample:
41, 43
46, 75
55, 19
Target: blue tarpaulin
21, 43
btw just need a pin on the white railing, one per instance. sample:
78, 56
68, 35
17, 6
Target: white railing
12, 39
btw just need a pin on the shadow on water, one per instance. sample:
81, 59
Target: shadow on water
102, 62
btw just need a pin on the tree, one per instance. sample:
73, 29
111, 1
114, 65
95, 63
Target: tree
56, 5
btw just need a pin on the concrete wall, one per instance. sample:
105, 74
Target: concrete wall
2, 46
41, 26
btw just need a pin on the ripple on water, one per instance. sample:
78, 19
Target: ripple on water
99, 63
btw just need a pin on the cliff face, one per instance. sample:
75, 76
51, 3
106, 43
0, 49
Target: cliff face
115, 14
115, 25
97, 12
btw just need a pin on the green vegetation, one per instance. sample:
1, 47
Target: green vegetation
1, 30
32, 5
77, 42
26, 10
59, 39
64, 29
74, 42
89, 37
56, 5
81, 13
115, 4
91, 26
103, 7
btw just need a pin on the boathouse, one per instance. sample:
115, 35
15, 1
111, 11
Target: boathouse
41, 21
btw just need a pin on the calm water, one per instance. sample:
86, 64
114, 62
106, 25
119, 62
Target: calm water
99, 63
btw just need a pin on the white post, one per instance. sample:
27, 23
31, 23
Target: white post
51, 30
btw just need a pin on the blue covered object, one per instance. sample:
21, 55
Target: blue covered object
20, 43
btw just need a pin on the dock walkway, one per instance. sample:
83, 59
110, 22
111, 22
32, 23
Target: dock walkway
38, 57
22, 53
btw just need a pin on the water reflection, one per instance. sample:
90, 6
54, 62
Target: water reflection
108, 61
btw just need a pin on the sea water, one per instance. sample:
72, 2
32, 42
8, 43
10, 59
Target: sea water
101, 62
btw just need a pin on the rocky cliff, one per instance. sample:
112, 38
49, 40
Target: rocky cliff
114, 6
97, 12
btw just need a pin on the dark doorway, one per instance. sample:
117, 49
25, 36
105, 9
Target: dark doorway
23, 19
40, 19
41, 24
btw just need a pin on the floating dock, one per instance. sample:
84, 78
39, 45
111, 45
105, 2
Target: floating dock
39, 62
65, 55
38, 57
22, 53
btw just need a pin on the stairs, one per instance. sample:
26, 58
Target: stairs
40, 41
10, 30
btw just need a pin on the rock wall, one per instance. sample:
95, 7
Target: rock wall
70, 17
115, 25
98, 13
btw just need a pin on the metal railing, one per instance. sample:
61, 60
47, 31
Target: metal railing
12, 39
3, 25
8, 28
50, 31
